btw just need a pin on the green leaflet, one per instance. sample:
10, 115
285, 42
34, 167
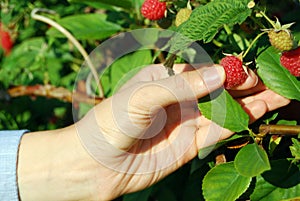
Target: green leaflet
282, 182
87, 26
223, 182
275, 76
127, 4
295, 150
205, 21
251, 160
224, 111
123, 69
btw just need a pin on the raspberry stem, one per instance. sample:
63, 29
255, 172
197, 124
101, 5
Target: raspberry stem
268, 19
252, 43
72, 39
227, 29
169, 63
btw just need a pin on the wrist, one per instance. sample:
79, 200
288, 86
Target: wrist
52, 165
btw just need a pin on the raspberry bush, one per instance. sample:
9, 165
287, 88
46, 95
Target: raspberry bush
39, 65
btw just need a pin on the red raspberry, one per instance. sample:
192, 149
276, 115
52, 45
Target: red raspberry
291, 61
153, 9
234, 70
5, 41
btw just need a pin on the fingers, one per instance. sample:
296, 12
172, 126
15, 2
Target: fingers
147, 74
186, 86
157, 72
252, 85
272, 100
250, 82
208, 136
255, 110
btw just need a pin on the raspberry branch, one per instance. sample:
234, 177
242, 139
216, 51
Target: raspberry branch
268, 19
252, 43
51, 91
279, 129
170, 63
73, 40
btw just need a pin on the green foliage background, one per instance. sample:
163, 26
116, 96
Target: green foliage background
42, 55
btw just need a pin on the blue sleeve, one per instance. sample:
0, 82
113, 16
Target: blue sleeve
9, 145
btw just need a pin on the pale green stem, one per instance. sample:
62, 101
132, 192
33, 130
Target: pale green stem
252, 43
227, 29
268, 19
217, 43
72, 39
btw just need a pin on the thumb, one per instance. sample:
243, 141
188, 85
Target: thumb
187, 86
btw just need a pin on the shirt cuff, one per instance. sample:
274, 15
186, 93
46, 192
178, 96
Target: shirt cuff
9, 145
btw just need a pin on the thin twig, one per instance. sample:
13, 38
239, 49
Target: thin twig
252, 43
268, 19
51, 91
280, 129
73, 40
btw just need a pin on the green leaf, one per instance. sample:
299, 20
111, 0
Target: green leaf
146, 37
287, 122
99, 5
275, 76
127, 4
268, 119
205, 21
224, 111
126, 67
33, 61
123, 69
224, 183
295, 150
86, 26
251, 160
280, 183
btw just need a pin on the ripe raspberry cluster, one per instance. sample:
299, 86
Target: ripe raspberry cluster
234, 70
6, 42
153, 9
280, 37
157, 9
291, 61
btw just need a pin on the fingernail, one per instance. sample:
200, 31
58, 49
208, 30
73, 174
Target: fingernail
213, 77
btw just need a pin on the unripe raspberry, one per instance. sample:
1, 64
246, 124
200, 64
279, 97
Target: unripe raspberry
182, 16
281, 40
280, 36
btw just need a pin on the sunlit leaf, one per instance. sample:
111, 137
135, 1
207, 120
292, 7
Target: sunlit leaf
223, 182
86, 26
275, 76
251, 160
225, 111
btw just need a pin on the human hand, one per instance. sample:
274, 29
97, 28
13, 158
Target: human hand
152, 126
147, 130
